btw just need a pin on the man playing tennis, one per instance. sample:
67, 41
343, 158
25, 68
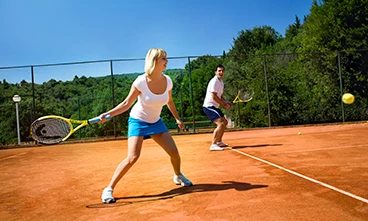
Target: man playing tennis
211, 105
153, 90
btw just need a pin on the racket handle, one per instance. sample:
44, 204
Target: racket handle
97, 119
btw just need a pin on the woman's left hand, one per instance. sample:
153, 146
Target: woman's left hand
180, 124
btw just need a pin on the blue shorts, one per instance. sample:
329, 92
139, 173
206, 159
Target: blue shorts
213, 113
140, 128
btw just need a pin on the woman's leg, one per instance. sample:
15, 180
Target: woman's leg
134, 150
167, 143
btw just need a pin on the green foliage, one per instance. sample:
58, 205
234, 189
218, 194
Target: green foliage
296, 79
251, 41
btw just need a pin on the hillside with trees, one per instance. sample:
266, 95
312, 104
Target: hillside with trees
298, 78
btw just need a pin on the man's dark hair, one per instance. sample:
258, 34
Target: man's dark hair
220, 66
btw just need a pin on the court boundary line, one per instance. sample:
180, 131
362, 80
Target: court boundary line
12, 156
304, 177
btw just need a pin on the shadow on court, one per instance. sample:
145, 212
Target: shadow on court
226, 185
255, 146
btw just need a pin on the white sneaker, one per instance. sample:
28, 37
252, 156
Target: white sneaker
107, 195
182, 180
216, 147
222, 144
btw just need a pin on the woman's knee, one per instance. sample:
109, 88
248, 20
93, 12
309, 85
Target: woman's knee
132, 159
174, 153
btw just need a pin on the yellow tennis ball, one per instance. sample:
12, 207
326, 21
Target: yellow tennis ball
299, 133
348, 98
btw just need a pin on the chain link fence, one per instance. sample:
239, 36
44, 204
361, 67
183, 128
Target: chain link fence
290, 89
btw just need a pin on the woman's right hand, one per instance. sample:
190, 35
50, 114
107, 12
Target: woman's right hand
102, 118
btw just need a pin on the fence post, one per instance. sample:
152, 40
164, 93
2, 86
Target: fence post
181, 103
238, 110
340, 76
79, 116
191, 93
268, 97
33, 95
113, 94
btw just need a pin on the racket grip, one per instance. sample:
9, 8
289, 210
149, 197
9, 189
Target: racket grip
97, 119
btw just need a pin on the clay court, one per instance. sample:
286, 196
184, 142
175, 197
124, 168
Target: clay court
266, 174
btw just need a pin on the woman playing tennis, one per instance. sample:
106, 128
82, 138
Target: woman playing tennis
153, 90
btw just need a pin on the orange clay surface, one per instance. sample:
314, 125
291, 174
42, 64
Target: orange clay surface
266, 174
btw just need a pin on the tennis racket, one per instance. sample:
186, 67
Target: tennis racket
244, 95
55, 129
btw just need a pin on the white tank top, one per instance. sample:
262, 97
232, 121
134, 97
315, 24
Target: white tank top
149, 105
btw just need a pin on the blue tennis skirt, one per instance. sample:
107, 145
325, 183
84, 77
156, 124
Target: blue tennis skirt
140, 128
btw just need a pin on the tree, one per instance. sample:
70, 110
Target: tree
336, 25
293, 29
250, 41
338, 28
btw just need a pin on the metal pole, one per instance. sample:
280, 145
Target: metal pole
238, 110
191, 93
113, 94
181, 103
342, 104
268, 97
16, 99
79, 116
33, 94
18, 129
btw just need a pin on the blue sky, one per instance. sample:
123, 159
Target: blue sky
58, 31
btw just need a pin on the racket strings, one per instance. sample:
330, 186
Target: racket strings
50, 130
245, 95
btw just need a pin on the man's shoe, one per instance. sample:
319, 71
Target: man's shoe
215, 147
222, 144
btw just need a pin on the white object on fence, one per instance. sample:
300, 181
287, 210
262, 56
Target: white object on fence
230, 123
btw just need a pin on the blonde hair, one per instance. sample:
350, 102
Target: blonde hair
151, 57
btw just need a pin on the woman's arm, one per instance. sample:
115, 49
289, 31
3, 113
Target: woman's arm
123, 106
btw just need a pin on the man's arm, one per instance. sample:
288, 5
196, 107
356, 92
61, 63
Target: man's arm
226, 104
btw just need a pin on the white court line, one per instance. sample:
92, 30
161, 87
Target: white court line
12, 156
305, 177
318, 149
